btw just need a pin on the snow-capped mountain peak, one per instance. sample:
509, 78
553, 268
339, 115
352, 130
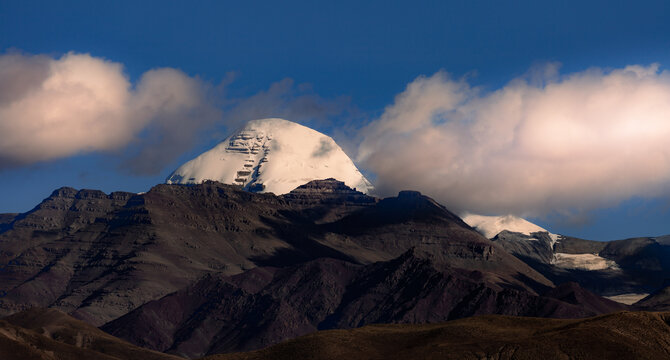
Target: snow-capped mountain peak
272, 155
490, 226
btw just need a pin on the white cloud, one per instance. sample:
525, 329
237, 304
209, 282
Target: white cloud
53, 108
541, 144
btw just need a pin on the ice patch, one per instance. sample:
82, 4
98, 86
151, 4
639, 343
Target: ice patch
583, 262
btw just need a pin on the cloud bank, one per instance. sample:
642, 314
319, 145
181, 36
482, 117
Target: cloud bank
52, 108
57, 107
542, 144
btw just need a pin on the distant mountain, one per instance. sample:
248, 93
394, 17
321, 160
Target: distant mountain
623, 335
51, 334
272, 155
622, 267
264, 306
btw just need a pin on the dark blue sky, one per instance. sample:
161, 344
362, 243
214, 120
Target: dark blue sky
367, 51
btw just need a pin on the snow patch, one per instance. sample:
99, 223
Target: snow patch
583, 262
490, 226
272, 155
628, 299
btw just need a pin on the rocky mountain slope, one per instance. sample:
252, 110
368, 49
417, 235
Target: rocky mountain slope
100, 256
623, 335
211, 268
264, 306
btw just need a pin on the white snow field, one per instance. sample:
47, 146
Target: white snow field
272, 155
628, 299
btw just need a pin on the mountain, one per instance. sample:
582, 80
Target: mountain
272, 155
264, 306
529, 242
623, 335
210, 267
50, 334
622, 269
490, 226
98, 256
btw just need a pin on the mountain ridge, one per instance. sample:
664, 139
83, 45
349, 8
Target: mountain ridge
99, 256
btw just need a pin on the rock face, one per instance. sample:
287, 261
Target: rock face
535, 247
272, 155
623, 335
264, 306
99, 256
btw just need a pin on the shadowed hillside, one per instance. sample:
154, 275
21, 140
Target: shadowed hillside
50, 334
624, 335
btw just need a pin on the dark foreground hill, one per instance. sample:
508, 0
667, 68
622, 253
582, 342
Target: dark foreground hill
623, 335
264, 306
38, 334
50, 334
